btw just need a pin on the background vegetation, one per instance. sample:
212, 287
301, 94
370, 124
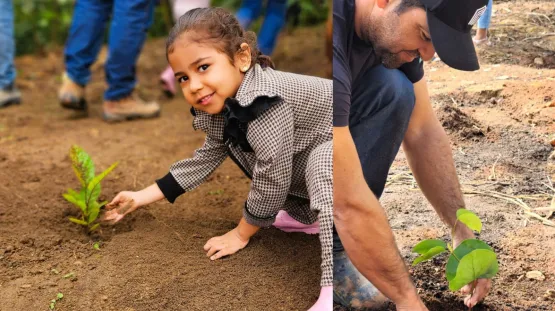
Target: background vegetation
44, 24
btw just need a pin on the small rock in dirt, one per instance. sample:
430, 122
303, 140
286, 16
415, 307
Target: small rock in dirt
57, 241
78, 263
538, 61
49, 284
550, 293
104, 297
26, 286
9, 249
535, 275
27, 241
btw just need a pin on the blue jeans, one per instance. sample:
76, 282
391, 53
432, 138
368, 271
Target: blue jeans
274, 21
7, 44
485, 19
379, 117
130, 22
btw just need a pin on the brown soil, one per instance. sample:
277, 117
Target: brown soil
153, 259
500, 122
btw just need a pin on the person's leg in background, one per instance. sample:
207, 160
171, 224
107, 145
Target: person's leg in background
179, 7
249, 12
86, 35
483, 25
8, 93
379, 117
274, 20
128, 30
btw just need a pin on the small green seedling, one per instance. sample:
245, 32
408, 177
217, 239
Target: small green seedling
53, 301
69, 275
471, 260
87, 198
96, 246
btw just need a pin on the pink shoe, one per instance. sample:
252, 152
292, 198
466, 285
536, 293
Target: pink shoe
168, 82
325, 301
286, 223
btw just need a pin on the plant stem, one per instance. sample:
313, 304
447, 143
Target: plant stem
452, 246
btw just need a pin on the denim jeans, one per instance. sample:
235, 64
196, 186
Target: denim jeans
7, 44
128, 29
485, 19
379, 117
274, 20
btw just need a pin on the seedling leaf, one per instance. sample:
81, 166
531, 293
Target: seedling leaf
78, 221
424, 246
462, 250
59, 296
96, 246
469, 219
434, 251
82, 165
94, 227
69, 275
480, 263
71, 198
52, 304
94, 209
93, 188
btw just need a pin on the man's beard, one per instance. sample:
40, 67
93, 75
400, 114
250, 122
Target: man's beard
375, 35
389, 60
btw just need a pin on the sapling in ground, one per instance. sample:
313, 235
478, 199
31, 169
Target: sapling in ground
87, 197
471, 260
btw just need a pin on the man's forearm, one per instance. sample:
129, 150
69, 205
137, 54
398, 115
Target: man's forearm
431, 161
363, 227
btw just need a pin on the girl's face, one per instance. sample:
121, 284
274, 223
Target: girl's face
206, 76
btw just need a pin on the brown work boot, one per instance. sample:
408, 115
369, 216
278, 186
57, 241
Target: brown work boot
71, 94
128, 108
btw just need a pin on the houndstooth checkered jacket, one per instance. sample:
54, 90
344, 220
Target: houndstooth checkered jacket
278, 130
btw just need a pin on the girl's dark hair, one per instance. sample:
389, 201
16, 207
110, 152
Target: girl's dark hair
219, 27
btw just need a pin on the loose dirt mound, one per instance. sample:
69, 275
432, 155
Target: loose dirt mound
455, 121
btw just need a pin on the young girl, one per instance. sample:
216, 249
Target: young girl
275, 126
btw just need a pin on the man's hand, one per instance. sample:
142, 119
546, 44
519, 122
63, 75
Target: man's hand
416, 305
227, 244
479, 289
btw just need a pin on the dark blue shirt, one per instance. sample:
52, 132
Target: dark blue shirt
351, 58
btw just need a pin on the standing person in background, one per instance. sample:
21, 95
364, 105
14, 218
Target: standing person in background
274, 20
179, 7
483, 26
128, 30
8, 92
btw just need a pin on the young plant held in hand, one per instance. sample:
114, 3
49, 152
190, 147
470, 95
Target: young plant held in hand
471, 260
87, 197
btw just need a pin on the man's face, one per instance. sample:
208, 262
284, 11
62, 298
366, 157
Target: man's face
398, 39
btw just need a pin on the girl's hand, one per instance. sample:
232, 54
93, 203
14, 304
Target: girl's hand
224, 245
124, 203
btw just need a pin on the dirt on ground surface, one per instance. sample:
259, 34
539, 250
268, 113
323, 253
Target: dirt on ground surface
153, 259
500, 121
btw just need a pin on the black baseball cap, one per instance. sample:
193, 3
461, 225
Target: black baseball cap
450, 22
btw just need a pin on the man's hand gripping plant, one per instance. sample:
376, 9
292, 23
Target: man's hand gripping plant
471, 260
87, 197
